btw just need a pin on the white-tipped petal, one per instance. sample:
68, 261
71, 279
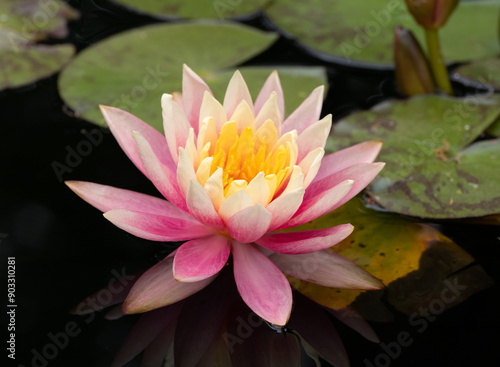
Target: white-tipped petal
193, 89
243, 116
201, 207
296, 180
307, 113
284, 207
185, 171
271, 85
258, 189
314, 136
208, 134
175, 124
237, 91
234, 204
215, 188
310, 165
212, 108
236, 186
191, 148
203, 171
270, 111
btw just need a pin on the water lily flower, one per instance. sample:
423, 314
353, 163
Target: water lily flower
431, 14
233, 175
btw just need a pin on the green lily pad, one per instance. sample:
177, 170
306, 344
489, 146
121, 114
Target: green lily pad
192, 9
34, 20
25, 65
482, 72
133, 69
432, 169
22, 23
353, 33
414, 260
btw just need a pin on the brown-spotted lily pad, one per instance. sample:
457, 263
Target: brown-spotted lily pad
133, 69
434, 169
192, 9
415, 261
356, 33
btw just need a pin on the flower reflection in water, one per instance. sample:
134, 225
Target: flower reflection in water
214, 327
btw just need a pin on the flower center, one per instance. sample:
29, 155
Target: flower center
243, 156
245, 152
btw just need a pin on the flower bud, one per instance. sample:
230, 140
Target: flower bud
431, 14
412, 70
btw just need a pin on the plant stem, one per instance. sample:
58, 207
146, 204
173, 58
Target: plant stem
437, 62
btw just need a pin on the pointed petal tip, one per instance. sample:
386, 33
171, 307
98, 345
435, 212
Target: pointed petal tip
165, 98
104, 107
71, 184
129, 308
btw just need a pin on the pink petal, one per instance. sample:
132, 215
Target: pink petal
320, 204
165, 180
356, 322
262, 286
249, 224
122, 123
175, 124
156, 227
305, 241
236, 92
326, 268
201, 258
314, 136
193, 89
306, 114
360, 153
284, 207
201, 207
271, 85
314, 326
149, 326
106, 198
362, 174
157, 288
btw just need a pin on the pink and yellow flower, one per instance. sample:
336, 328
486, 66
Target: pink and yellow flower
233, 175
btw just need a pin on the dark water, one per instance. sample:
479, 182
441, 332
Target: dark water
65, 250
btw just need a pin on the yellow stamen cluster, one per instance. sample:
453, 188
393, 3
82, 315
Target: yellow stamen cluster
243, 156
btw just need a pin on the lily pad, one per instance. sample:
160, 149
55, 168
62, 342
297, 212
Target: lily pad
414, 260
24, 64
22, 23
353, 33
483, 72
221, 9
34, 20
133, 69
432, 170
